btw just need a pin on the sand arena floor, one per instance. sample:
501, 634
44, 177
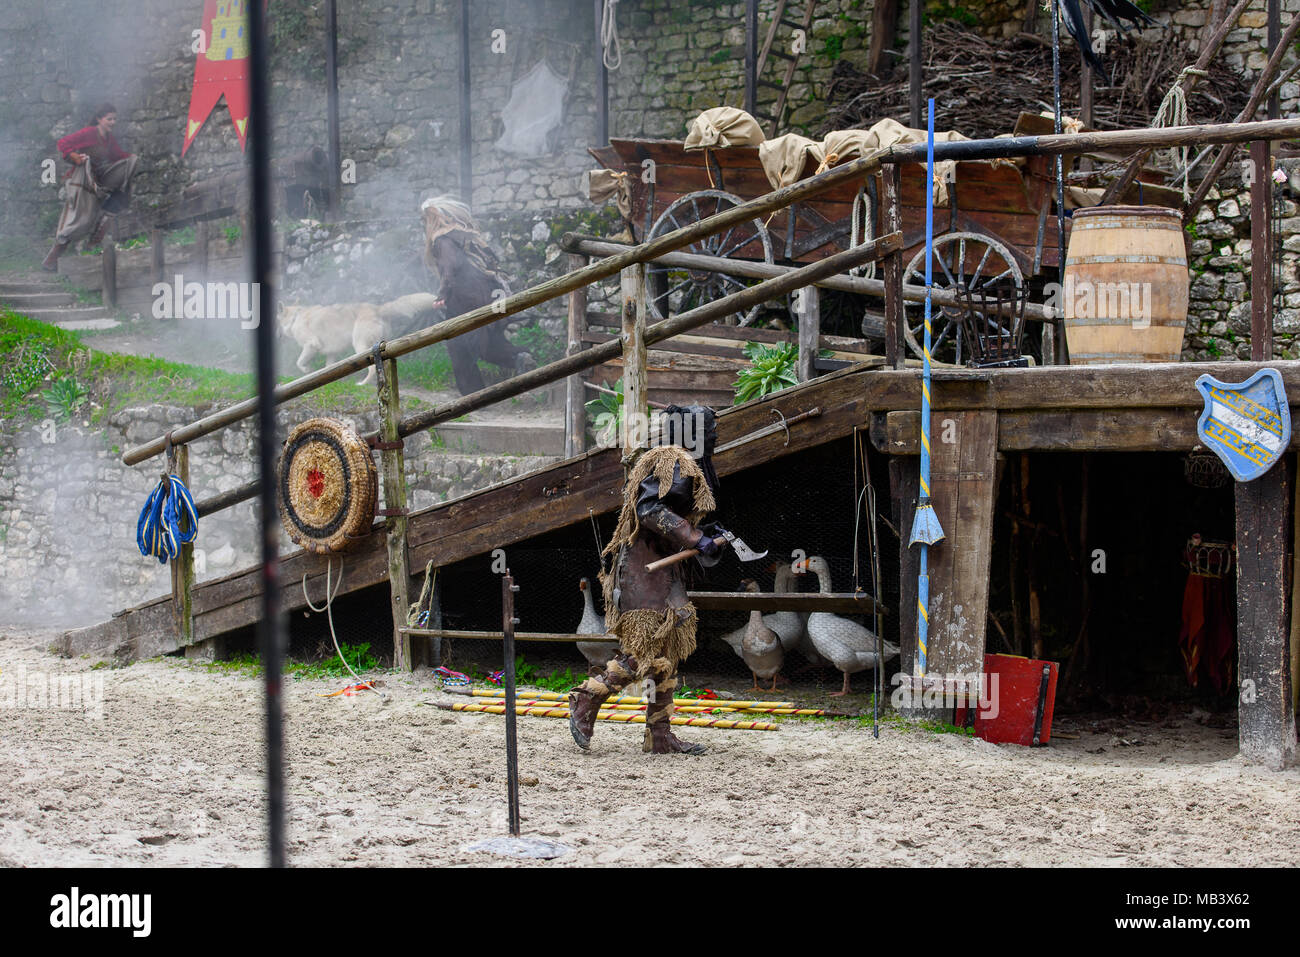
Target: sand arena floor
172, 774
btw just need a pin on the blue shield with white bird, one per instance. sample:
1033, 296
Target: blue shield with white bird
1247, 424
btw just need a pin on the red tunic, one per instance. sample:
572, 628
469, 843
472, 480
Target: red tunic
103, 152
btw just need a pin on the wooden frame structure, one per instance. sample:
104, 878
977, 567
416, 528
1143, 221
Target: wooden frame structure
1109, 408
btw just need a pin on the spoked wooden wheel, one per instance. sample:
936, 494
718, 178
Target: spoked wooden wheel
674, 290
961, 260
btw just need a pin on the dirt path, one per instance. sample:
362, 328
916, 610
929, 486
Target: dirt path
172, 775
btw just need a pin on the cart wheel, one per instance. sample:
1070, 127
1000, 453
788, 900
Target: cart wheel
674, 290
960, 259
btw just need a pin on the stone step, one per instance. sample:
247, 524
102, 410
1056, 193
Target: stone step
67, 314
29, 288
534, 438
81, 325
36, 300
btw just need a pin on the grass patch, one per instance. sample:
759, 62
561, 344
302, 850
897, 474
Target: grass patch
427, 369
250, 665
17, 255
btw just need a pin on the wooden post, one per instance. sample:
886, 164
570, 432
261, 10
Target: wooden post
884, 29
636, 431
963, 474
393, 466
466, 129
891, 197
751, 55
183, 566
575, 411
335, 158
602, 82
157, 255
904, 483
810, 325
1266, 716
202, 236
1261, 253
109, 264
915, 97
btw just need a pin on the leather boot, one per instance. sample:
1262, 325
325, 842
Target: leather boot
659, 737
97, 236
584, 704
51, 261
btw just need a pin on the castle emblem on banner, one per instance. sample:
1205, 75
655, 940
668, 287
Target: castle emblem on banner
229, 32
1247, 424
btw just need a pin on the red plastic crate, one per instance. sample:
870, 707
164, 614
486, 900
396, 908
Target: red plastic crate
1019, 690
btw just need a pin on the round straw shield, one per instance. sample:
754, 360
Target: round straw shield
328, 486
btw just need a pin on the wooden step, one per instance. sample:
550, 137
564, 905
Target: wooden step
28, 288
21, 302
67, 314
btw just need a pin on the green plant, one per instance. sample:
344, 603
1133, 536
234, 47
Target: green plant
232, 234
559, 680
771, 369
64, 397
358, 657
541, 345
946, 11
722, 56
833, 48
605, 412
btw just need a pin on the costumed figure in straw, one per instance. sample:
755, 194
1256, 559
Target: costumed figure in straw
668, 493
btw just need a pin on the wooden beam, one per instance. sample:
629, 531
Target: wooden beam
892, 214
810, 327
915, 94
963, 473
183, 567
635, 434
108, 263
392, 463
1053, 430
575, 410
1261, 253
884, 29
1266, 716
904, 485
846, 603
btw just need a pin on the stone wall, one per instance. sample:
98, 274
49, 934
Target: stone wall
68, 508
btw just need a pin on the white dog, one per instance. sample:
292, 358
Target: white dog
333, 331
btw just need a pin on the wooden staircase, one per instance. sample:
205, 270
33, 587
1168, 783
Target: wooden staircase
785, 15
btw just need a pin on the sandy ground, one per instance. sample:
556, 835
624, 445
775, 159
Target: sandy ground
171, 774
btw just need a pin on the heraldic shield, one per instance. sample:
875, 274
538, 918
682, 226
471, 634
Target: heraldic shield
1247, 424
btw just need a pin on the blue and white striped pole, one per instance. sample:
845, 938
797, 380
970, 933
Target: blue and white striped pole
925, 526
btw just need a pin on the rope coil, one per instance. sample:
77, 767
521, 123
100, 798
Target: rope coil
1173, 112
612, 49
167, 521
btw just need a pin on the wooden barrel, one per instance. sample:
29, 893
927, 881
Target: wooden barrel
1125, 295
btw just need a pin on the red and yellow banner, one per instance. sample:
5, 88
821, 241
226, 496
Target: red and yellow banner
221, 68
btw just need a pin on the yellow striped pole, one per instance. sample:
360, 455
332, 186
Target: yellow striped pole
686, 709
621, 717
628, 699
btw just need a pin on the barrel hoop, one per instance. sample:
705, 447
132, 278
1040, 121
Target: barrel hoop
1133, 258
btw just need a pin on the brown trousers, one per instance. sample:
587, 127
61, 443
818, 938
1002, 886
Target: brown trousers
620, 672
86, 193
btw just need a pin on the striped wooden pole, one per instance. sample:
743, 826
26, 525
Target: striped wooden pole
629, 699
621, 717
686, 709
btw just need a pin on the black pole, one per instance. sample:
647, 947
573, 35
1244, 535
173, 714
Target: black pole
751, 55
269, 631
332, 103
602, 81
1060, 172
466, 143
508, 622
914, 63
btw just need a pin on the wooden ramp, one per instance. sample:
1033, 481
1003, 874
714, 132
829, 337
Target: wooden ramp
495, 517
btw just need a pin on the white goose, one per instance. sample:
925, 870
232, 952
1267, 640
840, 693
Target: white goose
761, 648
597, 653
790, 625
849, 646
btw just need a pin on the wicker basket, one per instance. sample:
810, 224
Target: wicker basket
329, 488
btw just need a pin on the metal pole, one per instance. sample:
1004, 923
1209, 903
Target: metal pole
332, 102
508, 622
1274, 34
269, 628
751, 55
466, 133
602, 81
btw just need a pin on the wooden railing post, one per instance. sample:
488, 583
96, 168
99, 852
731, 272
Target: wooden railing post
1261, 253
200, 257
393, 468
157, 255
108, 261
183, 566
636, 423
575, 412
810, 325
890, 205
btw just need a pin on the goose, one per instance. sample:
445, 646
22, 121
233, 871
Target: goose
790, 625
849, 646
597, 653
761, 647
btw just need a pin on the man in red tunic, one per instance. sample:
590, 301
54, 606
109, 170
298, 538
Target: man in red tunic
100, 182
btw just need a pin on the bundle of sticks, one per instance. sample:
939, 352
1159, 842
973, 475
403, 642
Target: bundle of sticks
984, 85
